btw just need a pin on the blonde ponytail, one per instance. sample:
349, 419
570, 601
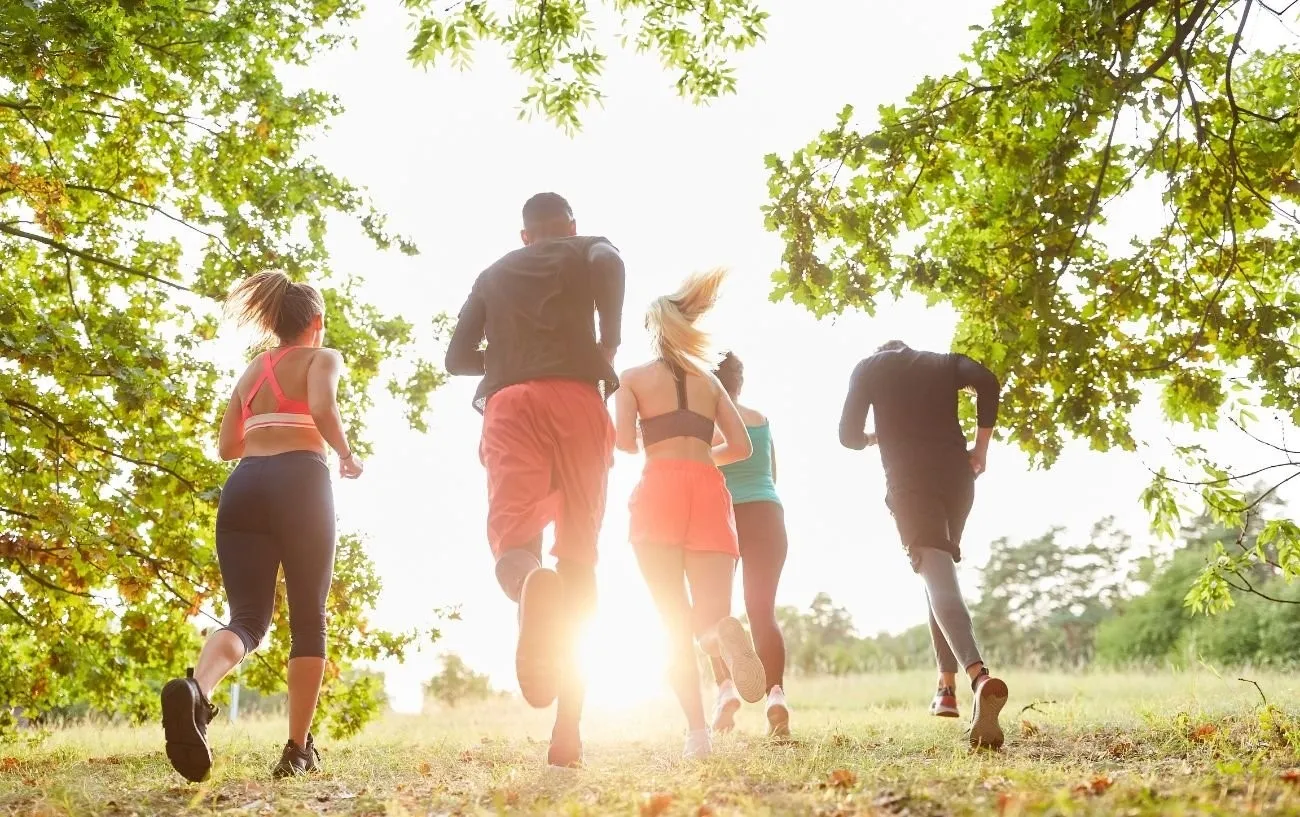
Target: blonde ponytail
275, 305
672, 322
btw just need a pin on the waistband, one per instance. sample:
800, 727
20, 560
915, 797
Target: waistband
286, 456
680, 466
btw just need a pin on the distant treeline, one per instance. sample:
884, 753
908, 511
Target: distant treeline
1056, 602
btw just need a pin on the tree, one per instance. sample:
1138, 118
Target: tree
457, 682
989, 188
149, 158
550, 43
1041, 600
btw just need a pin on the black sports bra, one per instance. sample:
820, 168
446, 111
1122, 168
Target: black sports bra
679, 423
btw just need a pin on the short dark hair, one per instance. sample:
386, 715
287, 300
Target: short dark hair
891, 346
546, 214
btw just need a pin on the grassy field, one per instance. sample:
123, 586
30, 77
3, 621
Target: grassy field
1153, 743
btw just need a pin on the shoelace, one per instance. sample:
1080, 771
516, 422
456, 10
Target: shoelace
946, 692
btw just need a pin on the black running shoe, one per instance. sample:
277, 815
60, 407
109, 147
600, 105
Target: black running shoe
296, 760
186, 715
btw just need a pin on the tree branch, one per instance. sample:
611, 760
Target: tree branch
91, 257
160, 211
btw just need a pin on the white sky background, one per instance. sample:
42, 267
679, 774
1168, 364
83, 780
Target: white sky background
676, 188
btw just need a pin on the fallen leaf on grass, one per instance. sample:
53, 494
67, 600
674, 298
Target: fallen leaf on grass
1099, 785
704, 811
1028, 729
28, 781
1121, 748
425, 768
1009, 802
466, 756
656, 804
1204, 732
1291, 776
841, 779
8, 763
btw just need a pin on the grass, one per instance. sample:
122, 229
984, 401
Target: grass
1149, 743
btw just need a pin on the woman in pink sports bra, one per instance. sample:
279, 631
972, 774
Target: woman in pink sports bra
276, 509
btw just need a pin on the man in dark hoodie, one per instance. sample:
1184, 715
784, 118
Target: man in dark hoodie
548, 440
930, 478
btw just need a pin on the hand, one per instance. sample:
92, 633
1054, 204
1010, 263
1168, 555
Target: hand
978, 457
871, 439
350, 467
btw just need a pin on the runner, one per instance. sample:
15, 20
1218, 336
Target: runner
760, 529
930, 481
547, 441
682, 525
277, 508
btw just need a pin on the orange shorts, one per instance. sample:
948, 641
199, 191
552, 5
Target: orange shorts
683, 503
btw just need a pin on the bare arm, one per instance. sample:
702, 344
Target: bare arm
736, 444
230, 443
773, 462
607, 286
625, 438
853, 418
464, 357
323, 373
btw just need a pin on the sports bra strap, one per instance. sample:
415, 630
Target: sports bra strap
680, 377
267, 376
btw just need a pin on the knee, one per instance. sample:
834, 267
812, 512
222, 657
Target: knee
250, 630
307, 639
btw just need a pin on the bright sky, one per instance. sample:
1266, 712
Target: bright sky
677, 188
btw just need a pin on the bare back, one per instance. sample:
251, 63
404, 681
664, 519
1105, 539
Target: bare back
292, 373
655, 390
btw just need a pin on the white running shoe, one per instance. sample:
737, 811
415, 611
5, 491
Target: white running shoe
726, 707
737, 651
698, 745
778, 714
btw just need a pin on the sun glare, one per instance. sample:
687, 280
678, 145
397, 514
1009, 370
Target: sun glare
623, 654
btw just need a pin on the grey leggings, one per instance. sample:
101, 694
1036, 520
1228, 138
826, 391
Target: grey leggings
950, 626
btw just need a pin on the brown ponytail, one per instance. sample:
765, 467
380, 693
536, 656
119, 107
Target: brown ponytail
275, 305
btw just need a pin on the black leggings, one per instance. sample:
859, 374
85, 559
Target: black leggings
278, 511
760, 527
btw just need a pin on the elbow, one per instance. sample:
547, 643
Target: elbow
627, 447
744, 449
230, 451
854, 442
454, 364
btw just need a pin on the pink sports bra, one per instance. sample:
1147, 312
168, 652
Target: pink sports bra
288, 413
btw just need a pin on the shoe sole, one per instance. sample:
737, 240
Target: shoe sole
778, 721
186, 748
541, 616
945, 713
738, 654
725, 719
985, 732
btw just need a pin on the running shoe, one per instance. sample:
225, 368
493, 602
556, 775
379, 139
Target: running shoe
296, 760
726, 707
186, 714
990, 696
944, 704
541, 623
698, 745
737, 650
778, 714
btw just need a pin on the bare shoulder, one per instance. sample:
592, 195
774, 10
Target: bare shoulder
751, 416
637, 374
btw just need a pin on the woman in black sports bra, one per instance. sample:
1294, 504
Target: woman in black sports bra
681, 518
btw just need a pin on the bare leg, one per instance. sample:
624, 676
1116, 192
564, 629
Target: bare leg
305, 674
664, 572
221, 653
710, 576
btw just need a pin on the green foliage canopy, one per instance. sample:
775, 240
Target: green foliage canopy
551, 44
149, 158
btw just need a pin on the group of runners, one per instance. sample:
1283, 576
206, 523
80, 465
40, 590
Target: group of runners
541, 328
